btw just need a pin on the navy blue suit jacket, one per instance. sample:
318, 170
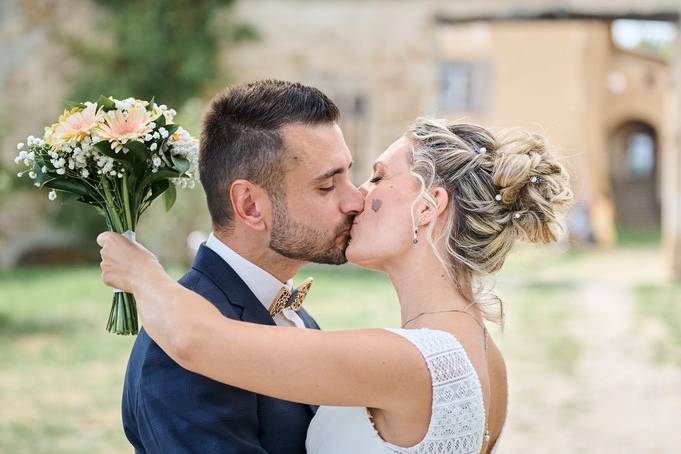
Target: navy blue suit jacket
168, 409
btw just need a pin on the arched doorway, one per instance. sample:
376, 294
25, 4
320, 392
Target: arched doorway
634, 170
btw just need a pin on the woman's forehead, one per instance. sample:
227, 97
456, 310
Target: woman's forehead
395, 155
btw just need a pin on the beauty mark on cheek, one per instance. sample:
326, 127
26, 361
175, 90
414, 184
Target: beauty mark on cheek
376, 204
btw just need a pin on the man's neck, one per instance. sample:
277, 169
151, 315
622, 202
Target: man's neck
260, 255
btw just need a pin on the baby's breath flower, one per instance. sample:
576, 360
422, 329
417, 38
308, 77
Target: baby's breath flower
52, 195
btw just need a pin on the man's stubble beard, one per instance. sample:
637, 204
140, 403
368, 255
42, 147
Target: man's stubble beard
301, 242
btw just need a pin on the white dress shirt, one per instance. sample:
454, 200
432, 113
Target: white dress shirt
263, 285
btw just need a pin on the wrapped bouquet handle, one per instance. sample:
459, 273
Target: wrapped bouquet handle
129, 234
117, 156
123, 315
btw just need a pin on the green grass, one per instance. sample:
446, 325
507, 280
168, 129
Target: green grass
661, 305
541, 327
62, 373
638, 237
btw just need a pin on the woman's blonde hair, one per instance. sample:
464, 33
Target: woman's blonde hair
500, 189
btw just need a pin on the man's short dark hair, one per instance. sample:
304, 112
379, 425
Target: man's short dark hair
241, 137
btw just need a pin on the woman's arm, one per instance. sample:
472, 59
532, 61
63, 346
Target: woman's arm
372, 367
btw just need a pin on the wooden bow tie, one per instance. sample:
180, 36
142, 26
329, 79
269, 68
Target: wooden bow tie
293, 299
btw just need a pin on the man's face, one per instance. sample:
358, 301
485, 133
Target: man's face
312, 222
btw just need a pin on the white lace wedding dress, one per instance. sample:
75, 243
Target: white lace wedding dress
457, 424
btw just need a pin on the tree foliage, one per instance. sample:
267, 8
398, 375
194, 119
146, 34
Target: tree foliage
166, 49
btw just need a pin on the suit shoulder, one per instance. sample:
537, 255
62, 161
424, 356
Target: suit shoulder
191, 278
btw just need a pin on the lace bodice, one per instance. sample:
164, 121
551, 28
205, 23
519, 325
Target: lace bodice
457, 423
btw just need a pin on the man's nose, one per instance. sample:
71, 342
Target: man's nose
363, 189
354, 201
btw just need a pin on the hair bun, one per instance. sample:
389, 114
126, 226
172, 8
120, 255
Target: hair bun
534, 185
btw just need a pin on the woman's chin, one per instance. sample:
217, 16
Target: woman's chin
360, 257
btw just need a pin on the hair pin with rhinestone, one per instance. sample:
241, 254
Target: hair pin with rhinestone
535, 179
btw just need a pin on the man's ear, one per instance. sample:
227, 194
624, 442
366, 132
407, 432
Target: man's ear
250, 204
426, 214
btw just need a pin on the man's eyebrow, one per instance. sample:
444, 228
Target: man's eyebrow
331, 173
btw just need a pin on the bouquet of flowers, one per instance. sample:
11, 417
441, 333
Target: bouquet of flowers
117, 156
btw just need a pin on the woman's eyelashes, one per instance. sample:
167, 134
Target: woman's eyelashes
375, 179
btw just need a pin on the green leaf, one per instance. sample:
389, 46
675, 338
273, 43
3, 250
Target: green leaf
170, 196
158, 188
42, 177
171, 129
104, 147
73, 104
160, 121
106, 103
181, 164
67, 185
162, 174
139, 150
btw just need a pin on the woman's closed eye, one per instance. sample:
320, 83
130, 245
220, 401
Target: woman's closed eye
375, 179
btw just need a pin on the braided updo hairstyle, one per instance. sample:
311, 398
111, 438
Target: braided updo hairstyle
500, 189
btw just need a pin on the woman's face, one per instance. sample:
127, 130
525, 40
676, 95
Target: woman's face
384, 230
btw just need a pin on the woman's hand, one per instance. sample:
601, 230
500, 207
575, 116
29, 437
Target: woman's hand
125, 264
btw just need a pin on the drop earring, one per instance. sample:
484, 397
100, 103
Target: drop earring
416, 238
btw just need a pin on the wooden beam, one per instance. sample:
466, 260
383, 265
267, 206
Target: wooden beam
523, 14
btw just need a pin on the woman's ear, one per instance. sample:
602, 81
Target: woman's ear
441, 199
426, 214
250, 204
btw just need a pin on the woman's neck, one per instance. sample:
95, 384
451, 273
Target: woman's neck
423, 285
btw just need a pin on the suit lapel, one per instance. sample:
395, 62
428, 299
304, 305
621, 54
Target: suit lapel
235, 290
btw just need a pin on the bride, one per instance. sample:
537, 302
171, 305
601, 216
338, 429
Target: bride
442, 210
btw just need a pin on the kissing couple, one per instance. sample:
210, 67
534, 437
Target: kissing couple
229, 362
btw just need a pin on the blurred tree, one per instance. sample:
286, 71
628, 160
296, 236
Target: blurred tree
165, 49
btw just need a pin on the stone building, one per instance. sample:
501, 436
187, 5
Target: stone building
550, 66
388, 63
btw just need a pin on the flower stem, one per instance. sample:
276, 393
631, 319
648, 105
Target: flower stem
126, 203
123, 315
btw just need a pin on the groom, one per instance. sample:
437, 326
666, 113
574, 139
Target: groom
274, 167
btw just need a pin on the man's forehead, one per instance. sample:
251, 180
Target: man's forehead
316, 144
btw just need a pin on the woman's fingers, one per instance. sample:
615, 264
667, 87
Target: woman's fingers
105, 238
110, 243
123, 261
